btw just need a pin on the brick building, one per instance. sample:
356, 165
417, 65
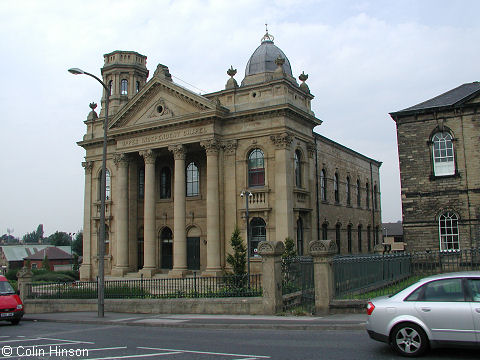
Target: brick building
438, 147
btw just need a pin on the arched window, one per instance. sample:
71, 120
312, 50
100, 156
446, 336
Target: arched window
347, 190
448, 231
107, 239
107, 185
258, 233
359, 238
375, 198
443, 154
165, 183
256, 168
298, 169
337, 237
137, 86
141, 183
166, 243
193, 180
359, 194
349, 239
124, 87
367, 195
369, 238
335, 188
299, 236
323, 185
110, 86
325, 231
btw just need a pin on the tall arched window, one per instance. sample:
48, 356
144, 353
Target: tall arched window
359, 194
124, 87
299, 236
347, 190
443, 154
110, 86
367, 195
165, 183
369, 238
166, 243
193, 180
141, 183
298, 168
256, 168
107, 185
324, 231
337, 237
107, 239
448, 231
258, 233
359, 238
335, 188
323, 185
349, 239
137, 86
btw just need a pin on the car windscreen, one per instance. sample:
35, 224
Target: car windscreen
6, 288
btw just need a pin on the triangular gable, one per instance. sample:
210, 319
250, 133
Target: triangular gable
158, 101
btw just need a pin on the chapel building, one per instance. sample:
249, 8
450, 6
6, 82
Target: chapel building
178, 162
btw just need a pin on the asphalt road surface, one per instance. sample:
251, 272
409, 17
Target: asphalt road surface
58, 341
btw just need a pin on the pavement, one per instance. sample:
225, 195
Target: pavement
327, 322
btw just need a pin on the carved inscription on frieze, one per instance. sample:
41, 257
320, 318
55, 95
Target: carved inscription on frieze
161, 137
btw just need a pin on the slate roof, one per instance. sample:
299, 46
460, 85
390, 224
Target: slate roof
52, 253
453, 97
393, 229
19, 252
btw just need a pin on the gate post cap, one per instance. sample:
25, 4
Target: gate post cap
322, 247
271, 248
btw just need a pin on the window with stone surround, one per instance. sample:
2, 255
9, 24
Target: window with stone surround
323, 185
349, 238
107, 185
337, 237
335, 188
124, 87
448, 231
193, 180
359, 194
298, 169
258, 233
367, 195
256, 168
165, 183
324, 231
347, 190
443, 154
299, 236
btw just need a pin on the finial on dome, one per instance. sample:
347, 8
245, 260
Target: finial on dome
93, 114
231, 83
303, 77
267, 36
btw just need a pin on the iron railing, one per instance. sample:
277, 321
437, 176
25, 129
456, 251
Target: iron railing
298, 287
191, 287
367, 276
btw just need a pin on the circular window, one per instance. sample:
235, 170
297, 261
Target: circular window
254, 94
159, 109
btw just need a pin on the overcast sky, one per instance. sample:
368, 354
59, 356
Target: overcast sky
364, 59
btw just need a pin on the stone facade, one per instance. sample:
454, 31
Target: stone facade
428, 195
178, 161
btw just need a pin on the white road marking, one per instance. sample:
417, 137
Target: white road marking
134, 356
206, 352
68, 341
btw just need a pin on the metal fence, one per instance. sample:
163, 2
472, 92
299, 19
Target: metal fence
168, 288
298, 288
364, 277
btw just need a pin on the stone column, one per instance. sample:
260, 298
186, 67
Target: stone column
24, 277
230, 194
149, 263
179, 206
322, 252
311, 187
283, 187
271, 253
86, 267
121, 216
213, 221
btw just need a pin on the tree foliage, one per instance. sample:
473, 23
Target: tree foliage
238, 259
290, 250
77, 244
46, 263
60, 238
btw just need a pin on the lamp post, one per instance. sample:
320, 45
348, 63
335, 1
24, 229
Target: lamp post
101, 242
247, 194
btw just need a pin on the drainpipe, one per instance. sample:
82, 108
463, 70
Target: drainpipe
373, 205
316, 187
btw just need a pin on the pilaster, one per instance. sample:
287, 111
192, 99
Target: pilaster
86, 267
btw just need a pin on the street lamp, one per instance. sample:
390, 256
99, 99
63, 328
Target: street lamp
101, 242
247, 194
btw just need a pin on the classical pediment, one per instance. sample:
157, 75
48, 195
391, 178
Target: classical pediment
159, 101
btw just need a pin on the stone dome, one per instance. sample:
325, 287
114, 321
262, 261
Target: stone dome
263, 58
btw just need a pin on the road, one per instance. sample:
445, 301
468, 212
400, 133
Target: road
58, 341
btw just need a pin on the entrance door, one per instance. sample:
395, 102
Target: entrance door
166, 250
193, 253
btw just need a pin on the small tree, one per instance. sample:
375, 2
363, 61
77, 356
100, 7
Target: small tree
239, 258
290, 250
46, 263
77, 244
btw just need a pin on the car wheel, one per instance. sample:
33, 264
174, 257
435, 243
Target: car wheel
409, 340
15, 322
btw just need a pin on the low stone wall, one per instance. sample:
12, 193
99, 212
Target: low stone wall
232, 306
348, 306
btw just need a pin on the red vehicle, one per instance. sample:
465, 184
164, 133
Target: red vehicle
11, 307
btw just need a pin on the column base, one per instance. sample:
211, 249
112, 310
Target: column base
177, 273
213, 272
147, 272
86, 272
120, 271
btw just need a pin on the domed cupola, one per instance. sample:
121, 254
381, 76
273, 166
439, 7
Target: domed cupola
264, 63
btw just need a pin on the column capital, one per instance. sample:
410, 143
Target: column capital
311, 148
211, 146
121, 160
149, 156
282, 141
179, 151
88, 165
230, 146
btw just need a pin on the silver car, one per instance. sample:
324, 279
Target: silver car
440, 310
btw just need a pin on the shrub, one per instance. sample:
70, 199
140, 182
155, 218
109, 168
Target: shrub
12, 274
